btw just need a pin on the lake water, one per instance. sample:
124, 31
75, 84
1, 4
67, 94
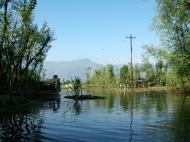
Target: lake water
143, 117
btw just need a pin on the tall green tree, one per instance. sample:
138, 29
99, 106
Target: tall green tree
161, 57
123, 74
23, 46
109, 74
160, 73
173, 24
136, 72
102, 77
148, 71
88, 72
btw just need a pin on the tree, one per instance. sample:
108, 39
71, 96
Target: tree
148, 71
23, 46
160, 73
77, 86
109, 74
171, 79
161, 57
173, 22
101, 77
136, 71
88, 72
123, 74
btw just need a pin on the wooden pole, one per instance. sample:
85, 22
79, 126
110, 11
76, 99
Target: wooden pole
131, 37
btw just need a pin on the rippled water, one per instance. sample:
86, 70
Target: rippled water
121, 117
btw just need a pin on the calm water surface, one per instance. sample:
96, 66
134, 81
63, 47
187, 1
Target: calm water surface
147, 117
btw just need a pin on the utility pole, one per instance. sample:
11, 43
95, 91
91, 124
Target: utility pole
131, 37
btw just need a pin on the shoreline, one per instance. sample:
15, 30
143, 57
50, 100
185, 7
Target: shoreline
139, 90
19, 99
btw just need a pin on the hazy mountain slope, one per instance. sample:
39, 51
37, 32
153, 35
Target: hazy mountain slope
69, 69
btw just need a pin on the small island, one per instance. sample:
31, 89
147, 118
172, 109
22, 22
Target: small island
76, 89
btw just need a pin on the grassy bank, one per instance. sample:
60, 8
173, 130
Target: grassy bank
138, 90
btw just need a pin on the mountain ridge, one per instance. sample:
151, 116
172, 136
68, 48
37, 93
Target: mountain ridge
66, 70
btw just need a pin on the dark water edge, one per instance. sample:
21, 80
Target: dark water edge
149, 116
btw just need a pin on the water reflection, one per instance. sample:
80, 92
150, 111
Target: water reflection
149, 112
21, 123
18, 126
119, 117
131, 95
77, 107
181, 121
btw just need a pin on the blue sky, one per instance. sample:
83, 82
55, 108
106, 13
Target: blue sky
96, 29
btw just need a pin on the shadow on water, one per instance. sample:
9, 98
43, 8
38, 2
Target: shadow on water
77, 107
182, 129
22, 123
16, 125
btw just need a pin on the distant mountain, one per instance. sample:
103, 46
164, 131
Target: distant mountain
69, 69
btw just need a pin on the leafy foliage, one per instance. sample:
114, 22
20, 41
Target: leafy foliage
23, 46
173, 24
77, 86
123, 74
101, 77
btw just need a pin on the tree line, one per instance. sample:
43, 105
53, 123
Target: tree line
144, 75
155, 70
23, 46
